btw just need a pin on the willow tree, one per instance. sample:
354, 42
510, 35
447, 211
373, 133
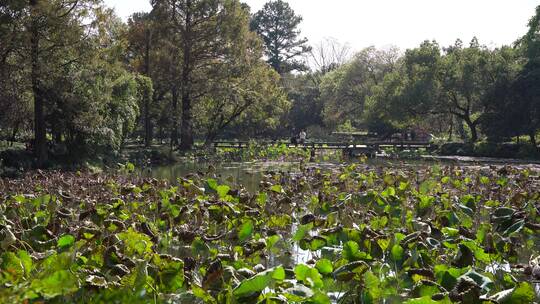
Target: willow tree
92, 101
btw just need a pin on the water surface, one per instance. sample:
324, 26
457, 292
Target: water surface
249, 174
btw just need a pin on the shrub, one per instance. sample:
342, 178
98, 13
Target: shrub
459, 149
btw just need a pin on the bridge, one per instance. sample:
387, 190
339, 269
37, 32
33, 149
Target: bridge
351, 148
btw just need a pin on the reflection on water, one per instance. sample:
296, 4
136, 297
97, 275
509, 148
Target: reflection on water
248, 174
231, 173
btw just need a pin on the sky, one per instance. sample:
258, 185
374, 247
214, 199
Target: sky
401, 23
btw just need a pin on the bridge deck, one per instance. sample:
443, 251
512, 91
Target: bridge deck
328, 145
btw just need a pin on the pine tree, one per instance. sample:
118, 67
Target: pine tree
277, 24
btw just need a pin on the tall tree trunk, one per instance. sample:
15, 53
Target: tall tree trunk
451, 131
534, 142
472, 127
147, 122
14, 133
474, 133
147, 126
474, 130
174, 127
40, 137
186, 141
461, 129
210, 137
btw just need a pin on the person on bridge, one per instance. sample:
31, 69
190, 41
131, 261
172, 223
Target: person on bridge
302, 136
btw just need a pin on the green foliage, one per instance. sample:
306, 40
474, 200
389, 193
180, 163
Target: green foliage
92, 101
522, 293
419, 234
306, 105
409, 90
259, 282
266, 152
308, 275
514, 109
66, 241
324, 266
277, 24
245, 230
345, 91
136, 244
75, 76
471, 91
92, 82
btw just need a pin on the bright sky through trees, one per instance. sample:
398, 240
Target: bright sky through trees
362, 23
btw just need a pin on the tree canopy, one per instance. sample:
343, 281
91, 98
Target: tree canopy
277, 24
76, 79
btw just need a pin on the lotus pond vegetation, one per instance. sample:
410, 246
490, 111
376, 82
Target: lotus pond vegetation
348, 234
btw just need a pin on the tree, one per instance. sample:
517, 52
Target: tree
196, 42
307, 106
240, 88
384, 113
500, 118
141, 39
151, 54
15, 105
345, 90
408, 95
213, 56
527, 89
69, 59
526, 96
328, 55
52, 29
530, 43
247, 105
430, 83
466, 80
515, 109
277, 24
94, 101
145, 91
11, 20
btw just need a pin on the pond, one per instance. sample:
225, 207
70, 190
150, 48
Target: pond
411, 230
289, 254
249, 174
